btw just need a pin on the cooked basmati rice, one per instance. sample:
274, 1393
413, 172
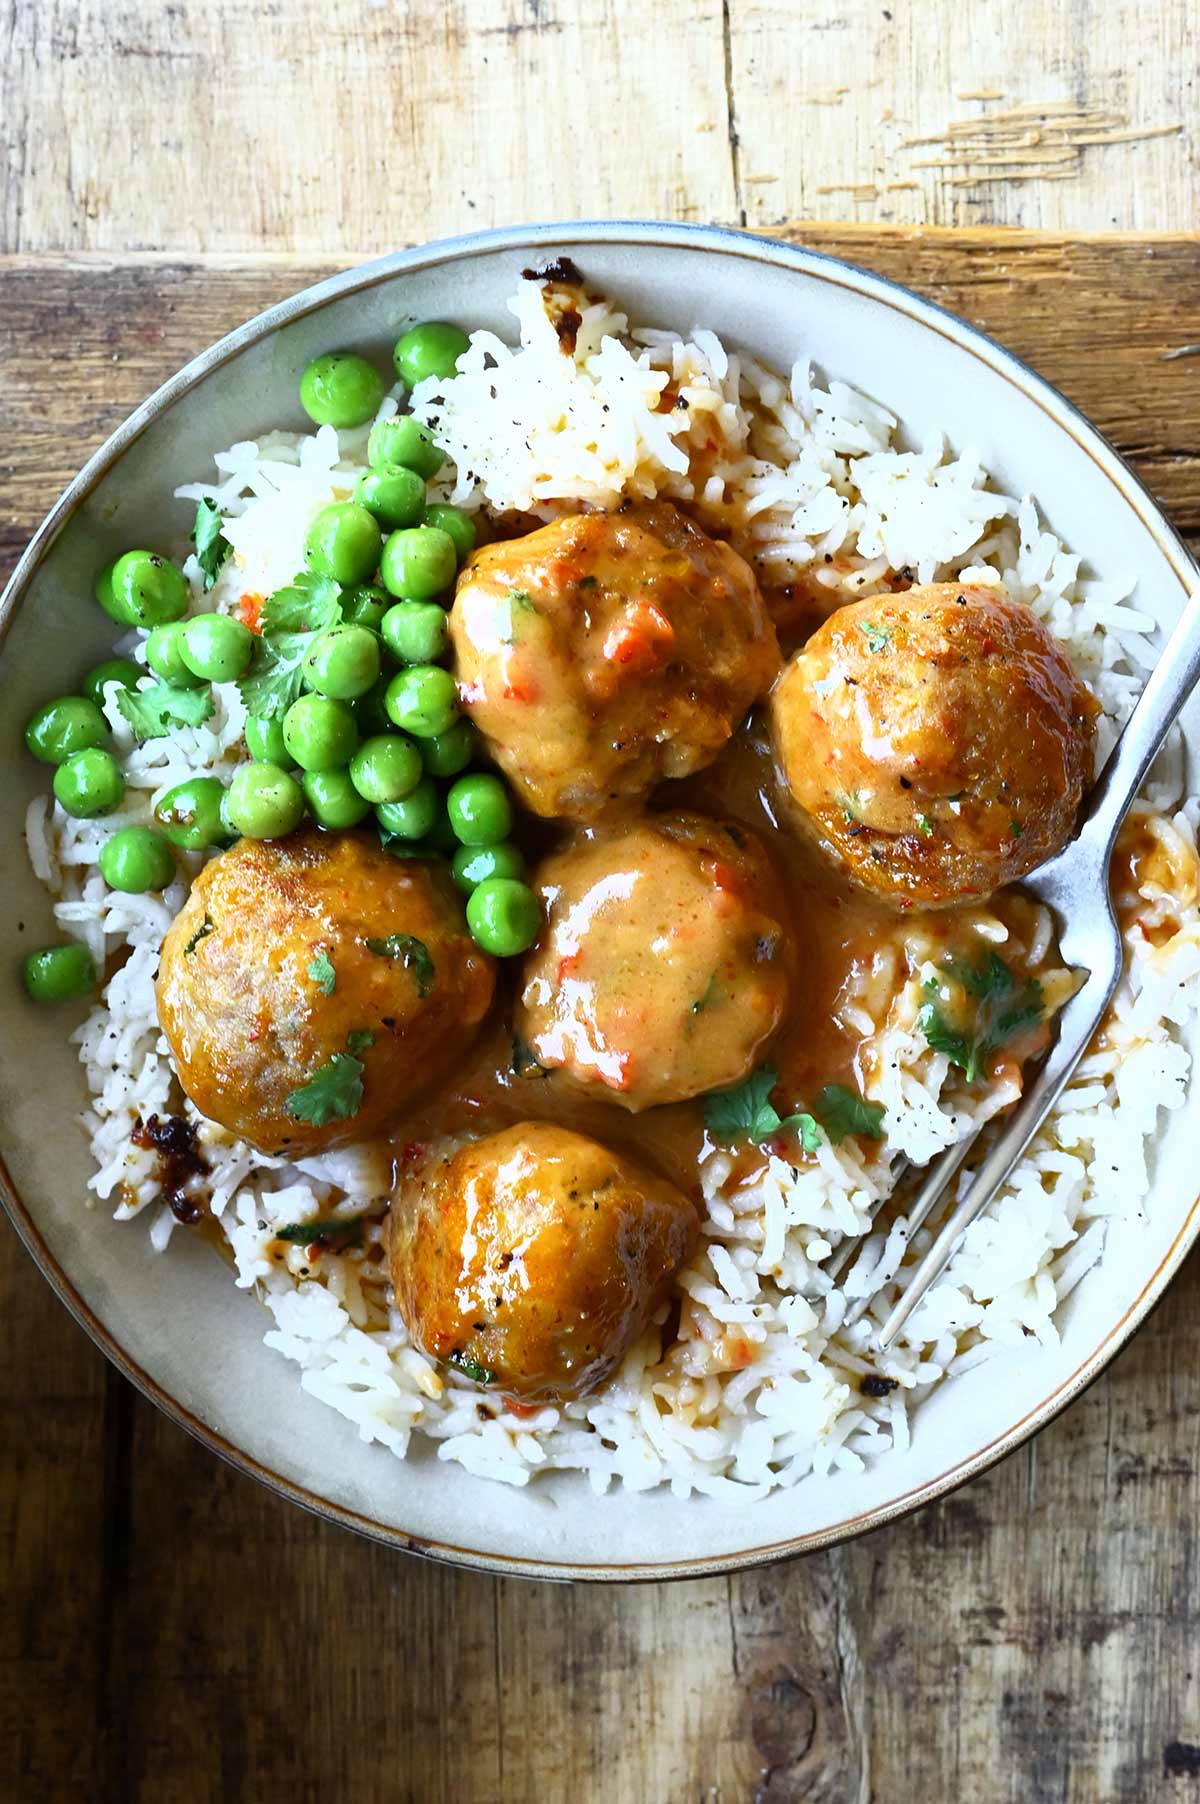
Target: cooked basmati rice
762, 1385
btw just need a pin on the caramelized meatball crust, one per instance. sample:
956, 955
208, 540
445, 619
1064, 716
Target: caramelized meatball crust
605, 652
664, 965
938, 740
288, 954
534, 1258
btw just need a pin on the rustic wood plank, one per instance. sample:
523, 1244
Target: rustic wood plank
344, 122
176, 1633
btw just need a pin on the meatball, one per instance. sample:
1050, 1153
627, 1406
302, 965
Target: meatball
311, 988
605, 652
663, 967
534, 1258
938, 740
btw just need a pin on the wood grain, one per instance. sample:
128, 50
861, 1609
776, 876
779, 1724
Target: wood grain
301, 124
173, 1634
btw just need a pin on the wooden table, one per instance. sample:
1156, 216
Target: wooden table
170, 1631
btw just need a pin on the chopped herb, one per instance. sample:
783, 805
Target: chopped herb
398, 847
711, 991
1001, 1011
521, 598
876, 636
152, 713
470, 1367
205, 928
359, 1039
524, 1064
746, 1112
332, 1236
413, 953
848, 804
843, 1113
323, 974
1016, 828
212, 547
875, 1386
587, 582
290, 620
925, 825
334, 1093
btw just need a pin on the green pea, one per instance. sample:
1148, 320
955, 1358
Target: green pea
343, 662
386, 767
343, 542
263, 802
430, 349
341, 389
264, 741
365, 605
504, 916
319, 734
102, 589
418, 563
403, 441
164, 655
89, 783
114, 670
394, 495
59, 728
370, 710
414, 815
415, 632
59, 973
473, 865
333, 799
216, 647
422, 701
148, 590
190, 814
136, 859
479, 809
447, 753
457, 525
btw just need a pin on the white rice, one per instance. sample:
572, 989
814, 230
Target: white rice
762, 1386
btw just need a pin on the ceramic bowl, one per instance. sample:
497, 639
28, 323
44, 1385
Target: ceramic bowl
176, 1325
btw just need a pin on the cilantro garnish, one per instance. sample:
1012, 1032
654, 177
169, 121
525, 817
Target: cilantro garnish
708, 996
524, 1061
876, 636
323, 974
358, 1039
332, 1236
212, 547
521, 598
413, 953
290, 620
205, 928
746, 1112
334, 1093
925, 825
844, 1113
1001, 1010
470, 1367
153, 712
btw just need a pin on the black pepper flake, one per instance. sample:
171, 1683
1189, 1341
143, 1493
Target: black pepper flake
875, 1386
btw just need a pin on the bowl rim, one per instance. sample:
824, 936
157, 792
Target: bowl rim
726, 240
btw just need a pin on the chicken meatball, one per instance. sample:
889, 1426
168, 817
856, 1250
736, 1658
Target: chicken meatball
663, 967
938, 740
605, 652
534, 1258
312, 987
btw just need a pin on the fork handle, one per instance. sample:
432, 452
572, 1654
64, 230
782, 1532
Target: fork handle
1171, 681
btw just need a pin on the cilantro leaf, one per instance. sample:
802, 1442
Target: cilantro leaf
331, 1236
1001, 1011
333, 1093
323, 974
876, 636
204, 929
153, 712
290, 620
521, 598
746, 1112
413, 953
358, 1039
308, 604
212, 547
471, 1368
842, 1113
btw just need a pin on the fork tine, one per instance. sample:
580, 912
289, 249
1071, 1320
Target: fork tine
1078, 1022
937, 1180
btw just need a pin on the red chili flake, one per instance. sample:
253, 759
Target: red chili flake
250, 609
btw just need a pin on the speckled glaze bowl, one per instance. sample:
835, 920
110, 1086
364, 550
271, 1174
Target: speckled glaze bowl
176, 1325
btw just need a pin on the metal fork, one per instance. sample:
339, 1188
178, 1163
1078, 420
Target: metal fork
1074, 885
